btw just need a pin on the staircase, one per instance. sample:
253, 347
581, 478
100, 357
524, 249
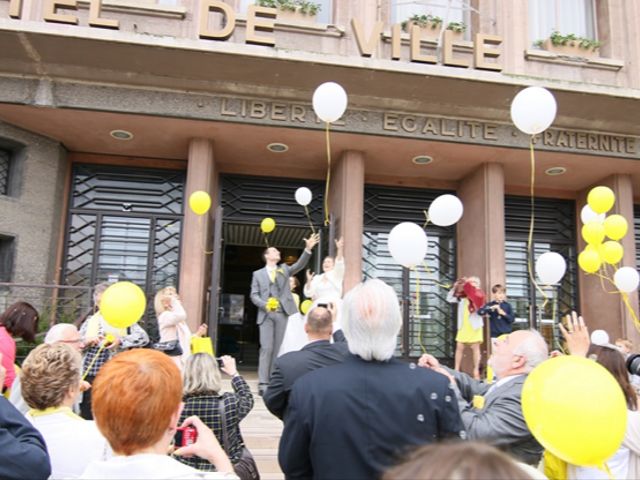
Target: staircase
261, 430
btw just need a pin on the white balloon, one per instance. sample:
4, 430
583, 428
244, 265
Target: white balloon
550, 267
329, 101
599, 337
533, 110
407, 244
587, 215
445, 210
626, 279
303, 196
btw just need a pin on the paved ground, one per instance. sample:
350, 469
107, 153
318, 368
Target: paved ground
260, 430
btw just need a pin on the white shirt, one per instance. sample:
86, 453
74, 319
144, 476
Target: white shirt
72, 442
147, 466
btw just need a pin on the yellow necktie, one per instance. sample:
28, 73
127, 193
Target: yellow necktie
272, 275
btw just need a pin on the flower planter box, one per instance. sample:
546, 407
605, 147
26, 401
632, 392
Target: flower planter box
296, 16
432, 34
571, 49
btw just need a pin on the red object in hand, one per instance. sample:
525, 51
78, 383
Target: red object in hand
475, 295
185, 436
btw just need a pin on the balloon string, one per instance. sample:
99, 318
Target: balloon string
442, 285
417, 309
266, 239
306, 210
623, 295
426, 219
625, 299
86, 372
204, 240
326, 188
532, 223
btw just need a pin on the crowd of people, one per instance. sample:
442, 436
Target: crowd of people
91, 403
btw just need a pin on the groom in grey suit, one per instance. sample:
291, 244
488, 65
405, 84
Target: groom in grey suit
498, 419
270, 292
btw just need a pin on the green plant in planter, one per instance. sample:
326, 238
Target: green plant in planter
423, 21
573, 40
458, 27
303, 6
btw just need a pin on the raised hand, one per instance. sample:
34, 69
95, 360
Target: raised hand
310, 275
576, 334
312, 241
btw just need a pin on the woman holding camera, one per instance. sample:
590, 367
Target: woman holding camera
137, 401
221, 412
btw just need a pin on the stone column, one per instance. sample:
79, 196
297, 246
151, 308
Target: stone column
480, 239
600, 309
480, 236
346, 200
194, 261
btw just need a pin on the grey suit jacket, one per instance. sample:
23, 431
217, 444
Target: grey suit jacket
500, 421
261, 288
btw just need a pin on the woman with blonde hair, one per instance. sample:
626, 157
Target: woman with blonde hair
175, 335
221, 412
50, 380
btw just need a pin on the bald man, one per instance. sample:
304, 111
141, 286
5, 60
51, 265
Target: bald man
500, 421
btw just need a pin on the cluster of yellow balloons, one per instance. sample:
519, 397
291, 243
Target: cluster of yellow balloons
600, 200
576, 409
267, 225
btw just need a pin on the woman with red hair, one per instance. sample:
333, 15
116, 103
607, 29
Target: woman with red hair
137, 400
470, 298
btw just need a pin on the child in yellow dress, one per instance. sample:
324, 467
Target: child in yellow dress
470, 297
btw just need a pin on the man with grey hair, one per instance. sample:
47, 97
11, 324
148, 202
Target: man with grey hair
497, 415
353, 419
58, 333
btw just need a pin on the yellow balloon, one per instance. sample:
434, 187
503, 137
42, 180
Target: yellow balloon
122, 304
593, 232
612, 252
601, 199
267, 225
615, 226
569, 401
305, 306
200, 202
589, 261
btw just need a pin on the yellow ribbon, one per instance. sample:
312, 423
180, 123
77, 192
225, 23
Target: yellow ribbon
326, 188
109, 338
417, 309
532, 223
306, 211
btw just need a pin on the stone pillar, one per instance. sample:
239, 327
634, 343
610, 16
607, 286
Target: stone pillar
194, 261
346, 200
480, 236
480, 239
600, 309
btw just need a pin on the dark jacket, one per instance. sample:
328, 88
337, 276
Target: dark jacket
354, 419
23, 453
500, 324
293, 365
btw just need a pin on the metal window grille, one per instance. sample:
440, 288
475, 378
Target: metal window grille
5, 163
429, 323
124, 224
554, 231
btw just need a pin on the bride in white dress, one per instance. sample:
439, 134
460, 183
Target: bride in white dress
323, 288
